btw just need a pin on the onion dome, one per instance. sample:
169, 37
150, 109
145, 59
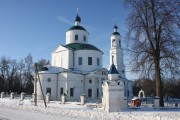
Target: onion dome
115, 30
115, 27
77, 26
77, 18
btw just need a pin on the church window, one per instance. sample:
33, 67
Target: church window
76, 37
49, 79
61, 91
119, 42
98, 61
71, 92
84, 38
113, 43
112, 59
89, 92
90, 81
48, 90
89, 60
80, 60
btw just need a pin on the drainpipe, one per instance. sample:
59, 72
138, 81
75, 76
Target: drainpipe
57, 87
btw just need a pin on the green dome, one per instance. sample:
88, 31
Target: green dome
81, 46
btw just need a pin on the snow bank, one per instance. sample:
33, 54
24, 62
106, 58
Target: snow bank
73, 109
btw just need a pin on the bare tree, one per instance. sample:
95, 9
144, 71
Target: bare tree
41, 63
172, 88
18, 76
145, 84
11, 72
154, 34
4, 65
28, 77
20, 73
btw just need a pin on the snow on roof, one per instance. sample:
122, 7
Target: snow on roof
52, 69
135, 98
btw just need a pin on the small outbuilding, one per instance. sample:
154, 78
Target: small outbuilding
135, 102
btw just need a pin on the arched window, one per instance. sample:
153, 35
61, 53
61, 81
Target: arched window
112, 59
113, 43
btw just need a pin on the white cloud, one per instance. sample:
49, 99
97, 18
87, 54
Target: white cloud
64, 20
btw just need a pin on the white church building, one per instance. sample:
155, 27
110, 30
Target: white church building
77, 67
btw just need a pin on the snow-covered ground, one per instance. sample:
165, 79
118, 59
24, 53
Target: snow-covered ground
73, 110
16, 114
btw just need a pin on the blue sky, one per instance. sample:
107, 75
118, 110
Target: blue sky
38, 26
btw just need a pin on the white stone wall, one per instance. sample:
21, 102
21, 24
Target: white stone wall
62, 57
70, 36
66, 80
118, 60
85, 54
118, 56
62, 83
47, 84
113, 96
117, 41
96, 83
92, 85
75, 81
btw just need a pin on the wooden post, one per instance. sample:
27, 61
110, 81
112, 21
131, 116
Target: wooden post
40, 86
35, 84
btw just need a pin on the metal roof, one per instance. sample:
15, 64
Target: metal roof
113, 70
115, 33
81, 46
77, 28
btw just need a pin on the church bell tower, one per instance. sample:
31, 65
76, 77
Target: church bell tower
116, 53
